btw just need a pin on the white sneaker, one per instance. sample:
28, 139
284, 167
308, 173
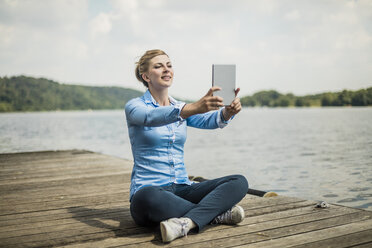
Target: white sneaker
232, 216
173, 228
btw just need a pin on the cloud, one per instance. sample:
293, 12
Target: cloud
60, 14
101, 24
297, 46
293, 15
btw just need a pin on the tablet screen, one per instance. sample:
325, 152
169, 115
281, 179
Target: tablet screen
224, 77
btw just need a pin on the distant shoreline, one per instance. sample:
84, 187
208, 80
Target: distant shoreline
244, 107
28, 94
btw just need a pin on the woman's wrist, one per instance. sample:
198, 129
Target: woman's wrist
188, 110
225, 115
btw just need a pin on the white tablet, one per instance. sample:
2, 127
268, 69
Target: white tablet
224, 77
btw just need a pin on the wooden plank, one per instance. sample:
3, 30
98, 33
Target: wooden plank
68, 164
9, 161
118, 214
98, 179
348, 240
60, 178
145, 235
90, 224
53, 163
326, 233
119, 197
6, 158
67, 171
281, 207
285, 213
366, 245
56, 214
36, 168
66, 185
48, 195
261, 202
114, 197
65, 235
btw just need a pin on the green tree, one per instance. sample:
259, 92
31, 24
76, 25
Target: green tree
327, 99
302, 102
345, 98
248, 101
266, 98
360, 98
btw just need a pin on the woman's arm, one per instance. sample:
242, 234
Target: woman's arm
137, 113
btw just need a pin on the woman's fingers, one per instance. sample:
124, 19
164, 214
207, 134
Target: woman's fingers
238, 107
237, 91
213, 89
214, 102
234, 107
209, 102
217, 99
235, 102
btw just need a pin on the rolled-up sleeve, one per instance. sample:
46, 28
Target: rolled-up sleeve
209, 120
138, 113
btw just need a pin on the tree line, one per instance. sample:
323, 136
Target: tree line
272, 98
22, 93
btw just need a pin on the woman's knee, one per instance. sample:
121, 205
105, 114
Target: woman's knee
241, 183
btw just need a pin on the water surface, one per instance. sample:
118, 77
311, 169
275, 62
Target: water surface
312, 153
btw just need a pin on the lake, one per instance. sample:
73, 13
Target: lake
311, 153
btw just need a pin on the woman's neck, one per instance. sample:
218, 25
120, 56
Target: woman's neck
160, 96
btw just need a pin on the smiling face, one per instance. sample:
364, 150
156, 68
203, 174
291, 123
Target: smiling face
160, 72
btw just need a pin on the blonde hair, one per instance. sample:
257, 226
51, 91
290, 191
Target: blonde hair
144, 63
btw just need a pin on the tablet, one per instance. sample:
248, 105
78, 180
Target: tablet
224, 77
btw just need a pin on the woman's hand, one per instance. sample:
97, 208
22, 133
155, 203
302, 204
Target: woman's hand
205, 104
233, 108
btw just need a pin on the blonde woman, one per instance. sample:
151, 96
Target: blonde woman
160, 191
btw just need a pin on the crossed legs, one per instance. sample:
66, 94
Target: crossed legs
200, 202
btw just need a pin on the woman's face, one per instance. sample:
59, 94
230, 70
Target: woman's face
160, 73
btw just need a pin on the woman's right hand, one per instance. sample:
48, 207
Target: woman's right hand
205, 104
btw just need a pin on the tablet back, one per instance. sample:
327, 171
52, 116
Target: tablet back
224, 77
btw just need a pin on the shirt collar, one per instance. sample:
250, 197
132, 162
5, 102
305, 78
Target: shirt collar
149, 99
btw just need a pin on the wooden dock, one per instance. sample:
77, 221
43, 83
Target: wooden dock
80, 199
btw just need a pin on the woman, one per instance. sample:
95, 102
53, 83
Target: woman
160, 190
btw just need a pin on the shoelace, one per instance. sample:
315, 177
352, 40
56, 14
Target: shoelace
183, 228
222, 217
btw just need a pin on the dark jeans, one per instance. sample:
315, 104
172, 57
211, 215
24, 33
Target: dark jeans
201, 202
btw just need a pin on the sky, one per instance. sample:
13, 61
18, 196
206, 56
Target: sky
301, 47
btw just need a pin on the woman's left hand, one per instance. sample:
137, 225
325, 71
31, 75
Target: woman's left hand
233, 108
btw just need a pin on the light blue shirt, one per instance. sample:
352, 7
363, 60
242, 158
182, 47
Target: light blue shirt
157, 136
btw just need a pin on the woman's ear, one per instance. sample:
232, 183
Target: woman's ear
145, 77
